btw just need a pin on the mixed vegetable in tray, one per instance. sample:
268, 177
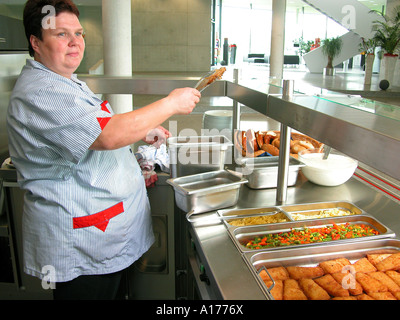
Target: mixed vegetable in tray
311, 235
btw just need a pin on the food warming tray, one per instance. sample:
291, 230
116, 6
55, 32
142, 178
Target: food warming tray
262, 172
289, 211
312, 256
309, 209
241, 235
228, 215
197, 154
207, 191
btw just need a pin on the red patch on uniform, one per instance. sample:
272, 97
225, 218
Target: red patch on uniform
104, 106
100, 219
103, 122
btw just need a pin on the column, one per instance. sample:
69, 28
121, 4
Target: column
277, 38
117, 38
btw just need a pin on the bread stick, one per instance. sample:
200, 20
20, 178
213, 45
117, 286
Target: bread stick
292, 290
334, 266
331, 286
304, 272
375, 258
312, 290
382, 296
349, 282
277, 290
394, 275
390, 263
363, 265
370, 284
386, 280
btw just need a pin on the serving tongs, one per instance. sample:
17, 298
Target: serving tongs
327, 150
203, 82
210, 78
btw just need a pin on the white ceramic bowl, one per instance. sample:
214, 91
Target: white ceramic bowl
217, 119
334, 171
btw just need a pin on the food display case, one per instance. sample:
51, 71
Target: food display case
362, 132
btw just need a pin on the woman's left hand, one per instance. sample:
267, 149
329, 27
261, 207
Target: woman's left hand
157, 136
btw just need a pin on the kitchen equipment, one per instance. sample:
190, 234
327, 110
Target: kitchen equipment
209, 78
262, 172
333, 171
312, 256
197, 154
202, 83
206, 191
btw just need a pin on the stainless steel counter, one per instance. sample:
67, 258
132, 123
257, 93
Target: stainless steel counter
229, 276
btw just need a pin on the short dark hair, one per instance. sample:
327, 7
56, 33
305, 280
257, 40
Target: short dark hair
33, 16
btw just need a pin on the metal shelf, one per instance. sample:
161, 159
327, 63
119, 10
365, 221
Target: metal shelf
370, 138
367, 137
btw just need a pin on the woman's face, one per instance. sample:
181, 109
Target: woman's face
61, 48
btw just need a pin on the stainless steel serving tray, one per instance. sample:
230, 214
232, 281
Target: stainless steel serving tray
241, 235
229, 215
262, 172
198, 154
313, 208
312, 256
289, 211
207, 191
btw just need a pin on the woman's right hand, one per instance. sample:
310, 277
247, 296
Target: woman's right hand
184, 100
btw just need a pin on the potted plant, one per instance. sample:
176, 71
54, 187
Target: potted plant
304, 46
331, 48
387, 36
367, 47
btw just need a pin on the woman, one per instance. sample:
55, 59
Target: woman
86, 212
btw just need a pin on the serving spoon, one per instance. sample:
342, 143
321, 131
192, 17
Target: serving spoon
327, 150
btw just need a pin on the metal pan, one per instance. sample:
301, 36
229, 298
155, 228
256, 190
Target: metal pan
290, 211
312, 256
310, 210
229, 215
207, 191
269, 213
197, 154
262, 172
242, 235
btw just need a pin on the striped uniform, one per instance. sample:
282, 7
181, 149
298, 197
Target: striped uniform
85, 212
